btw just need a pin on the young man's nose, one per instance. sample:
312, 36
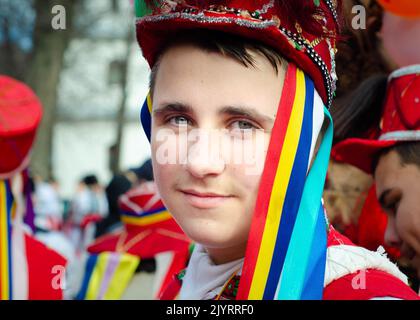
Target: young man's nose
204, 155
391, 235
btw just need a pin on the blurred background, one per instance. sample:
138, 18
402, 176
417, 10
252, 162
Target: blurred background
91, 80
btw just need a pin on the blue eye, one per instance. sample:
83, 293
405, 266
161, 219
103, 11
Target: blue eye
179, 121
242, 125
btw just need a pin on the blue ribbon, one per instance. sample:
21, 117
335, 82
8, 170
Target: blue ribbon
293, 194
304, 268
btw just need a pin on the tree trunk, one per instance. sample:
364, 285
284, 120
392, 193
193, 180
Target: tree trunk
115, 164
43, 77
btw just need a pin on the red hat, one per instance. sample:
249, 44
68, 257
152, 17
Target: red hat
20, 114
400, 121
303, 31
148, 227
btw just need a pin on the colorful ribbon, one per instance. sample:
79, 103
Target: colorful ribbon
107, 276
304, 268
285, 201
6, 212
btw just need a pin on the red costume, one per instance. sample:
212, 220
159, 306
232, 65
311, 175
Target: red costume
32, 271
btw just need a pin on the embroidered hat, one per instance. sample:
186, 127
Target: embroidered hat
304, 31
400, 121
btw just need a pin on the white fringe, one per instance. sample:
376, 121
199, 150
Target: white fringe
344, 259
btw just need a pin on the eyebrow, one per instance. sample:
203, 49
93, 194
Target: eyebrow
174, 107
245, 112
228, 110
382, 197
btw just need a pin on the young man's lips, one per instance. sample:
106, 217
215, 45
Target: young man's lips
204, 200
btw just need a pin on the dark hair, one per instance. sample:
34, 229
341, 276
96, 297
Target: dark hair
359, 54
90, 180
233, 46
358, 113
409, 153
145, 171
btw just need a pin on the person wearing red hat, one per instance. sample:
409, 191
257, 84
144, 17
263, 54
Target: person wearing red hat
240, 132
148, 232
28, 268
394, 160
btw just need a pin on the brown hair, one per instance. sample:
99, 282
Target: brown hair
358, 113
235, 47
409, 153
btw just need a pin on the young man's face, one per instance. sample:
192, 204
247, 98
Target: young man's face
398, 191
212, 120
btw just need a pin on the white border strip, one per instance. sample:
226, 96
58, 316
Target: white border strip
413, 135
413, 69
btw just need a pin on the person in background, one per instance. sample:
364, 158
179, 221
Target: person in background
89, 206
356, 115
48, 208
118, 185
29, 269
148, 234
393, 158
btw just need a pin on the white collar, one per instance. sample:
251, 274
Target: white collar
203, 279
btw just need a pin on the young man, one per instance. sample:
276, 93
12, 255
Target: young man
235, 117
394, 160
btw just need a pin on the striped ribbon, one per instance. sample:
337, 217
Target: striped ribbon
146, 218
304, 268
107, 276
286, 199
288, 210
6, 211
